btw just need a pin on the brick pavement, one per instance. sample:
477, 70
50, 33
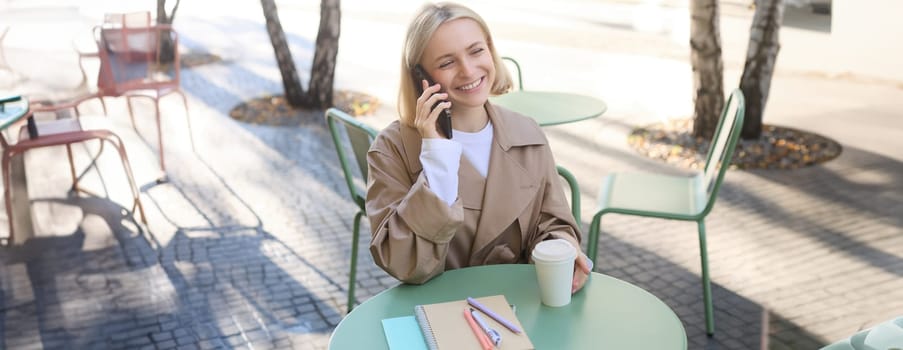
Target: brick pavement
246, 245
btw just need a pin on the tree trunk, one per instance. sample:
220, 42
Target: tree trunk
167, 50
708, 68
291, 85
761, 56
322, 71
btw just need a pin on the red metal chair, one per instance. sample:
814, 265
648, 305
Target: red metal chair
63, 132
129, 49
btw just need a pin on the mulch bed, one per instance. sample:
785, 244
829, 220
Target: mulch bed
194, 59
777, 148
274, 110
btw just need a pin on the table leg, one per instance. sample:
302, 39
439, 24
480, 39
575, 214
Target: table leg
20, 203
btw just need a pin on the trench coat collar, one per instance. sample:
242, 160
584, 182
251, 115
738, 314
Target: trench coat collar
513, 129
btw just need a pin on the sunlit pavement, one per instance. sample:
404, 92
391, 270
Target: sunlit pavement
247, 244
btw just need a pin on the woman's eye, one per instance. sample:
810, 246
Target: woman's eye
477, 51
445, 64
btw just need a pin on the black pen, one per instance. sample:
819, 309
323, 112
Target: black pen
493, 335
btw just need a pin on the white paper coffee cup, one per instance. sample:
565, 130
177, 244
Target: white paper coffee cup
554, 260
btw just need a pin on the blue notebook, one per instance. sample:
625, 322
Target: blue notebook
403, 333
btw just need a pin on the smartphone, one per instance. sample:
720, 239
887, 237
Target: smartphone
443, 123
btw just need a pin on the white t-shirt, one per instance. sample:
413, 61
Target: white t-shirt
441, 158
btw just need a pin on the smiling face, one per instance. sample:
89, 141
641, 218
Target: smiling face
458, 57
449, 31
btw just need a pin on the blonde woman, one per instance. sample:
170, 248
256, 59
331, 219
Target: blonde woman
485, 192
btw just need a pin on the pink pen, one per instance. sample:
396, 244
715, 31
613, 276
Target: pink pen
473, 302
482, 338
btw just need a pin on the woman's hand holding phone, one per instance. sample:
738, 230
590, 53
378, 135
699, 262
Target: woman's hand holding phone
430, 105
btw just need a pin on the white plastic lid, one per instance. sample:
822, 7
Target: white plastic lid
554, 250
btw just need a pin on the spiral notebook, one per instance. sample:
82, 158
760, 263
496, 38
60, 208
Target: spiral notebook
444, 327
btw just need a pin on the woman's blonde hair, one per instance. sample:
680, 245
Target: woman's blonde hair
421, 29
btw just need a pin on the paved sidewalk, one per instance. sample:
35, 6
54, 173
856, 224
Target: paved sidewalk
246, 246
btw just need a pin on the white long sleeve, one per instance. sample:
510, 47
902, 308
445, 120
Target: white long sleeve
440, 159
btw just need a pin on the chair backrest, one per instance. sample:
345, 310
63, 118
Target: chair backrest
574, 191
128, 34
520, 81
128, 46
360, 136
721, 150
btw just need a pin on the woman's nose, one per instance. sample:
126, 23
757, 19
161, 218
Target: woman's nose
467, 68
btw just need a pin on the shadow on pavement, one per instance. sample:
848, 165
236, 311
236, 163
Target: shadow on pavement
739, 322
225, 285
863, 186
58, 288
239, 281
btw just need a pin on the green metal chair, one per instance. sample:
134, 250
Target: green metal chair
676, 197
360, 136
575, 191
520, 81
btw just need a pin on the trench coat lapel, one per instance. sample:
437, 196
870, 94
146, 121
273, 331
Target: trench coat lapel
510, 187
471, 185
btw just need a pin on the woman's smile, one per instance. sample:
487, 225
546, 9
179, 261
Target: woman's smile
472, 85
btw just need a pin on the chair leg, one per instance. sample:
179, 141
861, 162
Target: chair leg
593, 242
103, 105
706, 285
187, 119
128, 102
136, 195
6, 197
159, 133
352, 274
72, 168
75, 188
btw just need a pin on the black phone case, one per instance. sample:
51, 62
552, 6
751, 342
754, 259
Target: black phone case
443, 123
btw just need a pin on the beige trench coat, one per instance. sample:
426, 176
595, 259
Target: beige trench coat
494, 220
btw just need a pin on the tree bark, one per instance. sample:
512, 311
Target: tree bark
761, 56
291, 84
167, 49
162, 16
708, 67
322, 71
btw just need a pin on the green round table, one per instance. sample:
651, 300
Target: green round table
607, 314
551, 108
12, 112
